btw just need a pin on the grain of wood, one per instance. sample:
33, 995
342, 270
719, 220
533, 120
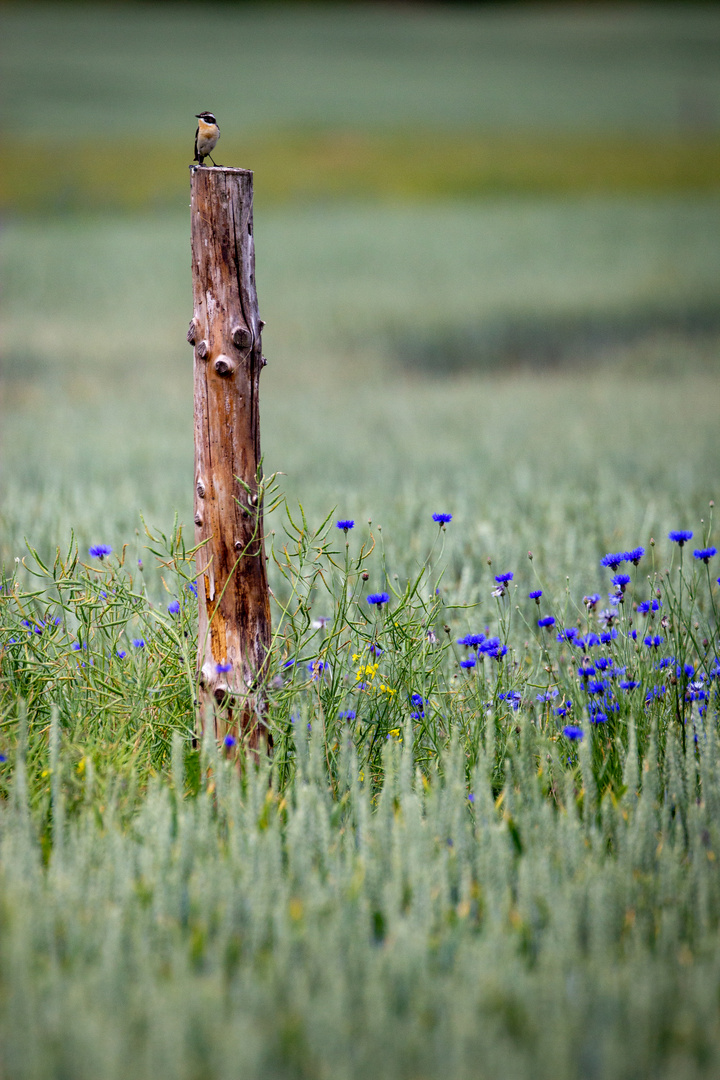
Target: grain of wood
225, 331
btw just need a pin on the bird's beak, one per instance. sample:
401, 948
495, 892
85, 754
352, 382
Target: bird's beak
197, 115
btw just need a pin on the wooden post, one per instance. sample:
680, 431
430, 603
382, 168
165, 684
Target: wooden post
233, 600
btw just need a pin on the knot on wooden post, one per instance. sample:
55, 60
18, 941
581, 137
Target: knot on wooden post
242, 337
225, 366
233, 597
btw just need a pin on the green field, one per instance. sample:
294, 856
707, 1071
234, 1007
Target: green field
487, 259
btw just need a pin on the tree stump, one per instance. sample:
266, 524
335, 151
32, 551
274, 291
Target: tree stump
225, 332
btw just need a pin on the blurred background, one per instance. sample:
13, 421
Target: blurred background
487, 257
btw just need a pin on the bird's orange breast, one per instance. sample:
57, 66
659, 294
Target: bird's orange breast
207, 132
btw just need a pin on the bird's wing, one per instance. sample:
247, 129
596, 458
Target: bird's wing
197, 132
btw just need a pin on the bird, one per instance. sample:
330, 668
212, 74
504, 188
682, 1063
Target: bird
206, 136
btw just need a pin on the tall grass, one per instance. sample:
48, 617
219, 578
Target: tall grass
508, 919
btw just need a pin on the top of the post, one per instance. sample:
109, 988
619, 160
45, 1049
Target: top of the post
195, 168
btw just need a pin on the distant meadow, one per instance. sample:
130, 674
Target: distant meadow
485, 841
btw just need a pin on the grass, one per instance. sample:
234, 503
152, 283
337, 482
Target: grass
442, 875
273, 67
96, 389
328, 102
104, 175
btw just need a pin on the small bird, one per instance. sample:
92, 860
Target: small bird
206, 136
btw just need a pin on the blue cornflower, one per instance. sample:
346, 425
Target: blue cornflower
316, 668
535, 595
591, 601
471, 640
349, 714
229, 740
513, 698
602, 663
121, 654
346, 524
471, 797
586, 671
417, 699
705, 554
632, 634
138, 642
174, 607
648, 606
547, 621
496, 650
587, 642
613, 561
653, 641
598, 718
442, 519
696, 692
99, 551
564, 709
502, 579
573, 733
468, 662
680, 536
596, 686
192, 587
3, 758
569, 634
629, 684
549, 695
378, 599
220, 668
621, 581
635, 555
654, 692
608, 636
666, 662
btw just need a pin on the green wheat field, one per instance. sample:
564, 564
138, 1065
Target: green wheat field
487, 840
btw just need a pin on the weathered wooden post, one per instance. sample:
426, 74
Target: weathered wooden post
233, 600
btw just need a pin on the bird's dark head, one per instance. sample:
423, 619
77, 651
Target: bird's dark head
208, 117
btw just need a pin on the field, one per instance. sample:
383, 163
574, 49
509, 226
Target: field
487, 259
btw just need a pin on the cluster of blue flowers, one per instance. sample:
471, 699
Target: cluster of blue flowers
613, 561
488, 646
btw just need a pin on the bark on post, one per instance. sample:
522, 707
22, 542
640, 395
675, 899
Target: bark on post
225, 331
